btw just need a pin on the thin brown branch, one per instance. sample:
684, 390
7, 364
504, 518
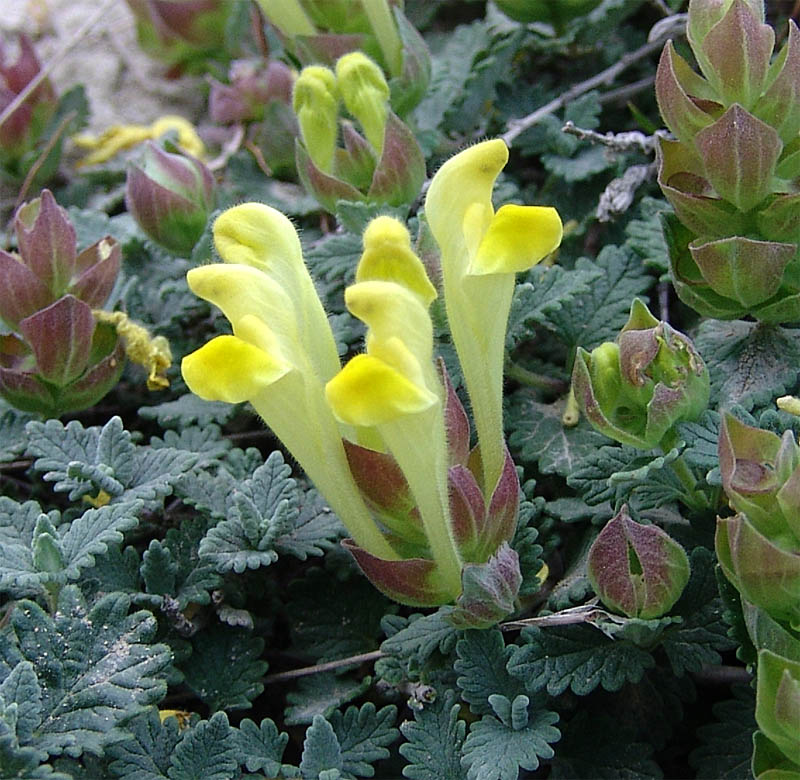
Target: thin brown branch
518, 126
352, 660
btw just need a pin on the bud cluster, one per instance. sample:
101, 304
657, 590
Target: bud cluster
730, 173
320, 33
381, 164
759, 552
55, 357
634, 390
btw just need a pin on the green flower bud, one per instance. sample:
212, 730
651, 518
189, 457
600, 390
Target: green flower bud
636, 389
638, 570
761, 476
315, 102
171, 197
365, 94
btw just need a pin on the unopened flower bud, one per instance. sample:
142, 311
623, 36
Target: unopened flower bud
170, 196
638, 570
635, 390
365, 94
316, 105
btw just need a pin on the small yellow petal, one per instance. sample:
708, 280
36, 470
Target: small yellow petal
388, 257
369, 392
231, 370
188, 139
111, 142
518, 237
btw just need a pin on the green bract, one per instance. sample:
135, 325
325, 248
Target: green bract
730, 172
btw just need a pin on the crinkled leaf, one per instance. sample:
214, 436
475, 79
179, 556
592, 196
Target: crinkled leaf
96, 668
315, 529
589, 320
146, 753
195, 578
260, 748
538, 435
40, 550
321, 749
224, 670
208, 750
496, 751
481, 669
415, 638
363, 734
544, 289
21, 688
576, 657
321, 694
435, 741
749, 363
84, 461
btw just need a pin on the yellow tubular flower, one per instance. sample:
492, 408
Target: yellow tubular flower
394, 388
481, 251
280, 355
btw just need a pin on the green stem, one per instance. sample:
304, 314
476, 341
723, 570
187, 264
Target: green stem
693, 498
383, 25
532, 379
288, 16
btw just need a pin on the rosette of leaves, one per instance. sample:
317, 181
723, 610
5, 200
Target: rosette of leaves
730, 173
54, 357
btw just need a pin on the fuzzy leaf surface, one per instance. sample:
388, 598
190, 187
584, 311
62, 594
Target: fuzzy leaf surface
83, 461
576, 657
95, 668
435, 741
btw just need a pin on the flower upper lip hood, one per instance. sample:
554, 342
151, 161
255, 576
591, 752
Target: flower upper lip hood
481, 250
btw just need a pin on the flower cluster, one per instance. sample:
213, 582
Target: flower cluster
385, 438
730, 171
759, 552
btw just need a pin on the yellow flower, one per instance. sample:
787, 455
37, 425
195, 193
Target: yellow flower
315, 101
394, 387
119, 137
281, 353
481, 250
